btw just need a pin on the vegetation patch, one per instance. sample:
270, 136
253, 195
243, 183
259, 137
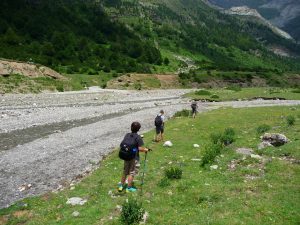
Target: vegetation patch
203, 195
132, 212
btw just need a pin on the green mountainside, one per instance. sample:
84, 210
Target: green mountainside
121, 36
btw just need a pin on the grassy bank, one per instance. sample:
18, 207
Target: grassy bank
16, 83
253, 191
236, 93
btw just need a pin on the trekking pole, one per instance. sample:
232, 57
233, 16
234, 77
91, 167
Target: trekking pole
144, 170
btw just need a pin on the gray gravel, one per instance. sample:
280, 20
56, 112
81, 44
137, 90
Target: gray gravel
52, 159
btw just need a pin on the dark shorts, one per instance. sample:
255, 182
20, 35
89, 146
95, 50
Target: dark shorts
159, 130
194, 110
130, 167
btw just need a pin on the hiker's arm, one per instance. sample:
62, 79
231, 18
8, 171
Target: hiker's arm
143, 149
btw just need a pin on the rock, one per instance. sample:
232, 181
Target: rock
75, 214
275, 139
253, 156
145, 217
76, 201
196, 160
168, 144
214, 167
244, 151
196, 146
263, 145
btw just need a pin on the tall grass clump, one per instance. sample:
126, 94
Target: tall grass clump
290, 120
210, 153
182, 113
202, 92
225, 138
262, 129
173, 172
132, 212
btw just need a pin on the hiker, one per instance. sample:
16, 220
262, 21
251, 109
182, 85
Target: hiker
129, 150
159, 126
194, 107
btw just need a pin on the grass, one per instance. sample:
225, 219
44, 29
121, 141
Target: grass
227, 94
16, 83
201, 196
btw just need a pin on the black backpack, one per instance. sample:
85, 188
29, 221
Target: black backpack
194, 105
158, 121
128, 147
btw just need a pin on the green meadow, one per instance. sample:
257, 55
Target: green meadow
242, 190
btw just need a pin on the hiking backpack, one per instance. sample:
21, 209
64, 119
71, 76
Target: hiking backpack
158, 121
128, 149
194, 105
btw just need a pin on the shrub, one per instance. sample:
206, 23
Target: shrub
234, 88
132, 212
182, 113
290, 120
164, 182
262, 129
296, 91
137, 86
228, 136
210, 153
225, 138
60, 87
214, 96
202, 92
173, 172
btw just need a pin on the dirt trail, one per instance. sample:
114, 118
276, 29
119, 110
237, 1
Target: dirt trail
52, 138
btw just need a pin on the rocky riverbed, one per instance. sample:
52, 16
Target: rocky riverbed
48, 140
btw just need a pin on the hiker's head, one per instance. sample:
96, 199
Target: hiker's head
135, 127
162, 112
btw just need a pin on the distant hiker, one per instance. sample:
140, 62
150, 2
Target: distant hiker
194, 107
129, 150
159, 123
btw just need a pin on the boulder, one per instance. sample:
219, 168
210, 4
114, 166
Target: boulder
168, 144
244, 151
275, 139
76, 201
196, 146
264, 144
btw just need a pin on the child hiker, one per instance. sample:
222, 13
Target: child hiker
194, 107
159, 123
130, 147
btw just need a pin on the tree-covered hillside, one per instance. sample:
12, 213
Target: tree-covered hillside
96, 36
75, 33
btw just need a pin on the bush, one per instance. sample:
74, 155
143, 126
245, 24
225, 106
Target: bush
234, 88
215, 96
225, 138
132, 212
202, 92
164, 182
138, 86
173, 172
296, 91
262, 129
210, 153
290, 120
182, 113
60, 87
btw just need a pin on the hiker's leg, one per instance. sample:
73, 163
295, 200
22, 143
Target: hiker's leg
123, 179
130, 180
131, 172
162, 133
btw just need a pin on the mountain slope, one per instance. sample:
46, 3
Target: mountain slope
281, 13
76, 33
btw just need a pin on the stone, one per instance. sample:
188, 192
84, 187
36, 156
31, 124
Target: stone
214, 167
168, 144
196, 160
76, 201
253, 156
244, 151
264, 144
75, 214
275, 139
196, 146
